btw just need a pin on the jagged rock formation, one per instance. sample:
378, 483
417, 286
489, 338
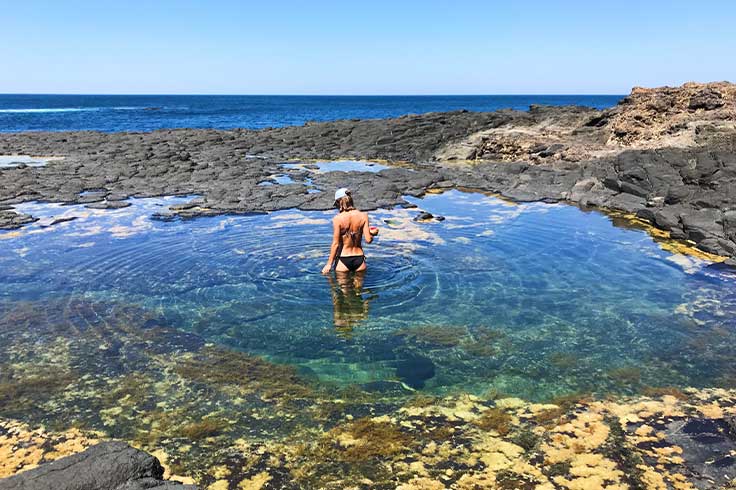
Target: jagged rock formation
690, 116
667, 155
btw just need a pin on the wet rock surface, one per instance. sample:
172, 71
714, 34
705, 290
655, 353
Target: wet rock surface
105, 466
667, 155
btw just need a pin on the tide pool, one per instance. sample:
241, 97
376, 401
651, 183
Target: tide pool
529, 300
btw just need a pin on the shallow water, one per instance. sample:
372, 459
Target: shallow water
337, 166
7, 161
531, 300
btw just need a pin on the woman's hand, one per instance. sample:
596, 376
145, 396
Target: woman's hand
326, 269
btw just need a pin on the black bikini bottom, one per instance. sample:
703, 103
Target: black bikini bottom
353, 262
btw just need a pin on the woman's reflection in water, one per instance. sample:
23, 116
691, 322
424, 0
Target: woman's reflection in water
349, 306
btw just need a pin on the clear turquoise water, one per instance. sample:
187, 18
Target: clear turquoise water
532, 300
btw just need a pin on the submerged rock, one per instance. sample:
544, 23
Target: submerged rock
105, 466
415, 370
108, 205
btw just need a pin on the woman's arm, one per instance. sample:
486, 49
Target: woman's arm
333, 248
367, 231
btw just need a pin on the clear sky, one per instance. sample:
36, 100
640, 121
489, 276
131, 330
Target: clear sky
363, 47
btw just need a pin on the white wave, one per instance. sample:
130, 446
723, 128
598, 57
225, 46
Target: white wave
70, 109
20, 111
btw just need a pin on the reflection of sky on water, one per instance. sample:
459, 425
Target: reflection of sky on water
536, 299
8, 161
337, 166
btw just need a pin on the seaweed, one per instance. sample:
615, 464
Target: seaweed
436, 335
23, 394
660, 391
549, 417
484, 342
509, 480
219, 367
368, 440
421, 400
617, 449
207, 427
563, 360
625, 376
557, 469
494, 419
566, 402
526, 439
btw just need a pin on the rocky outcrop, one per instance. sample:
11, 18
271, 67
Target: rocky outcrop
693, 115
105, 466
666, 155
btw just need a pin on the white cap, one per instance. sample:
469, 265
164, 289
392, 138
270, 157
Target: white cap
340, 193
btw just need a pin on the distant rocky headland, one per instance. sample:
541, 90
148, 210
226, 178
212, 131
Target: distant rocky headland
666, 155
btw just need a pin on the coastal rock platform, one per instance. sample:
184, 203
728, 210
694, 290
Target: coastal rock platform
666, 156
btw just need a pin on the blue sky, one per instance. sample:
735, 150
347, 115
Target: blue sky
369, 47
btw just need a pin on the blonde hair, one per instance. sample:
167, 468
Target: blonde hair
345, 203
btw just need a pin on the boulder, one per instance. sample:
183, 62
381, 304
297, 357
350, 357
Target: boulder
106, 466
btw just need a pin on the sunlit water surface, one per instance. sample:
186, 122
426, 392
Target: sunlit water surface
531, 300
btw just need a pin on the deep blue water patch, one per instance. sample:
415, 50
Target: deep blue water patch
149, 112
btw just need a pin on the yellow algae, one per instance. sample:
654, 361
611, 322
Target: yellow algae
712, 411
255, 482
421, 484
219, 485
510, 403
653, 480
498, 454
418, 468
23, 448
662, 237
220, 472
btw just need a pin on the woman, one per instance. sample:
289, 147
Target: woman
348, 229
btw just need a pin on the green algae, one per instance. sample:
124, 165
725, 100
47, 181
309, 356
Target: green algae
563, 360
222, 368
207, 427
626, 376
509, 480
660, 391
525, 439
435, 335
486, 342
23, 392
617, 449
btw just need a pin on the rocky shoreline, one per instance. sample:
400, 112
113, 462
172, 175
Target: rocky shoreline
664, 156
667, 156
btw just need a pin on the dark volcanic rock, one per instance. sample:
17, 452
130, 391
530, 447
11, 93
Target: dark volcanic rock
608, 159
10, 220
108, 205
708, 446
105, 466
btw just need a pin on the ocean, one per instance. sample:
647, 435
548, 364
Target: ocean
111, 113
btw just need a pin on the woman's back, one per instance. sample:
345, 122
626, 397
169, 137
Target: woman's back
352, 224
349, 228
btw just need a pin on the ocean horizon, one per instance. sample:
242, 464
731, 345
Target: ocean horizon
113, 113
